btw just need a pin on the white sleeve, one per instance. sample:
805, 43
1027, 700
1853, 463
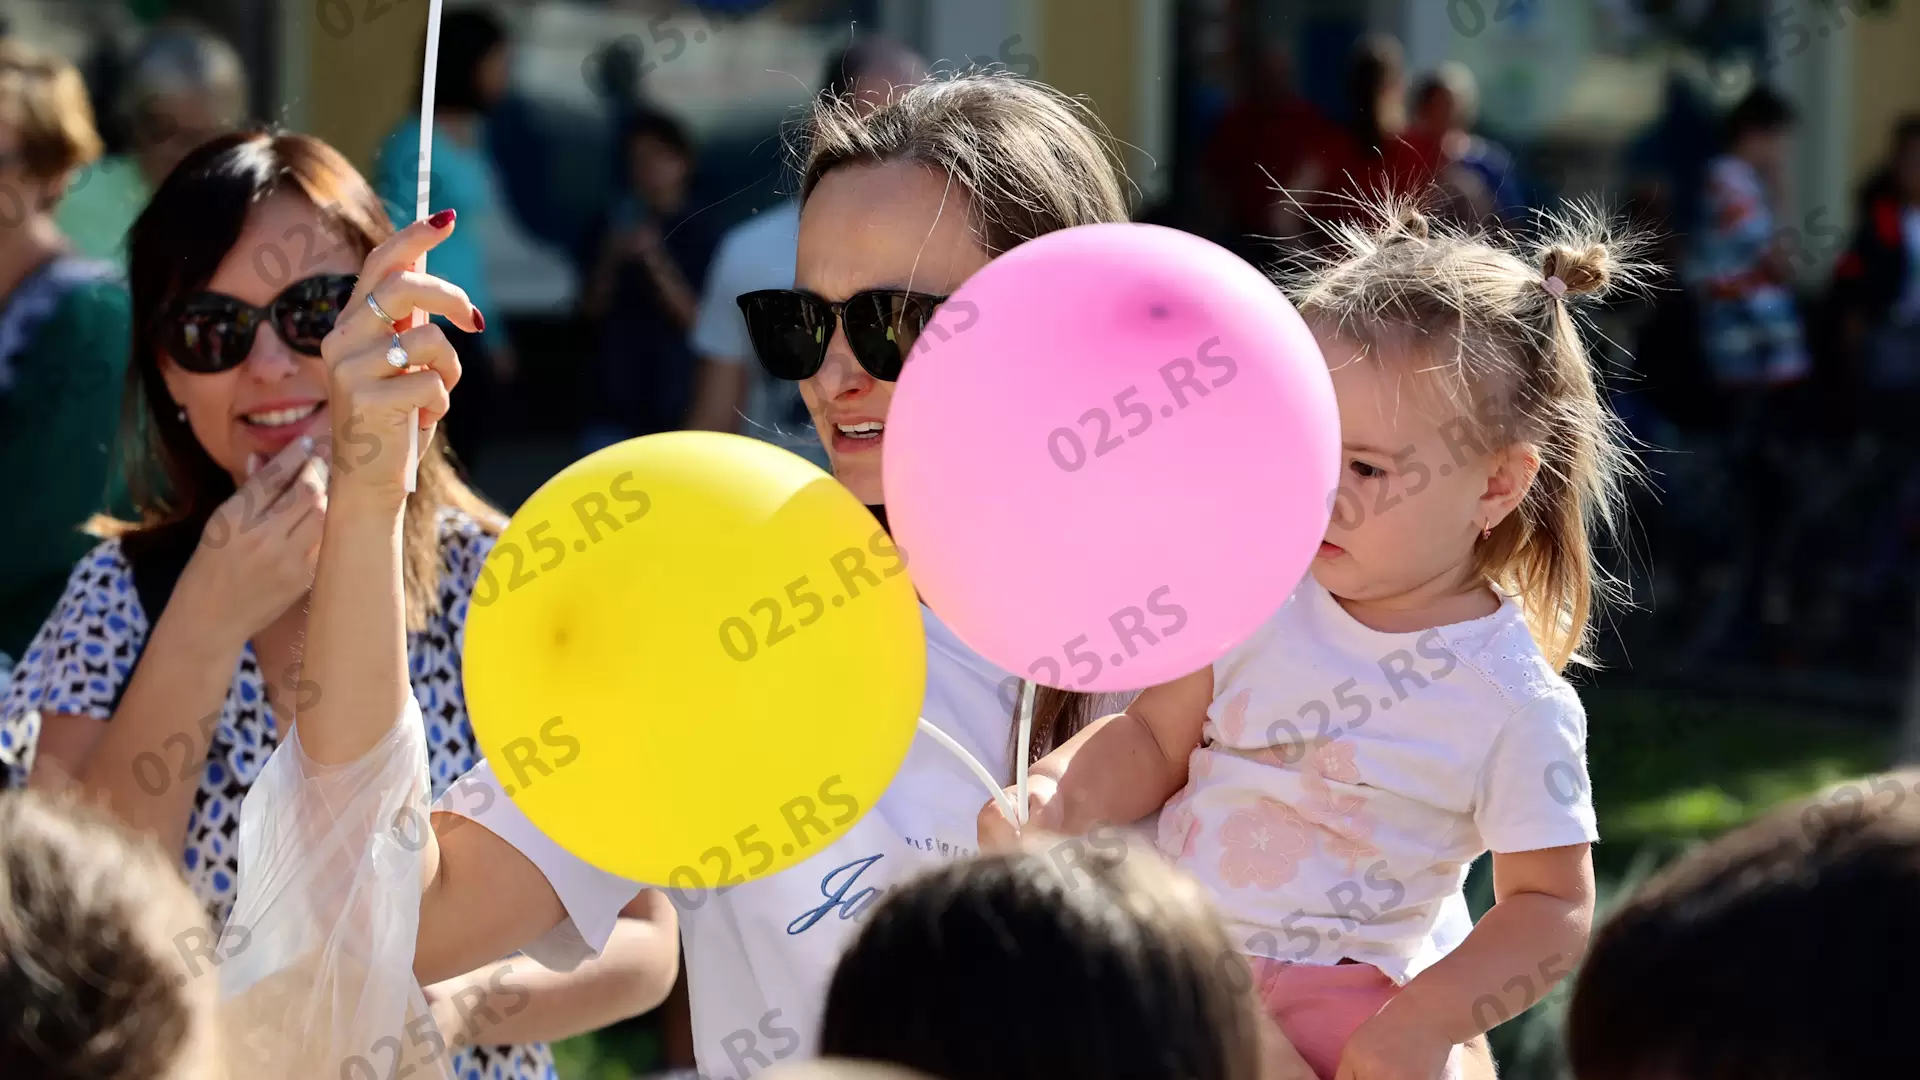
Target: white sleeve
593, 898
316, 959
1534, 792
720, 330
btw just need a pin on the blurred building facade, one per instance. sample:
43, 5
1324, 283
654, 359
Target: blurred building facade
1571, 83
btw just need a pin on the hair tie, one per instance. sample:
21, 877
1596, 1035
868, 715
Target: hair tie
1555, 287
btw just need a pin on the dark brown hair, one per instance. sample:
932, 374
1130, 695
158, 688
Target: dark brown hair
1030, 159
96, 928
1137, 970
187, 230
1777, 952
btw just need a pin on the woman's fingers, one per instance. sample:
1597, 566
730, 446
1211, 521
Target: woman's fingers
420, 390
401, 251
426, 347
306, 496
399, 295
272, 480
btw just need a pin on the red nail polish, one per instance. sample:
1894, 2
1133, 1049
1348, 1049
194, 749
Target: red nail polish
479, 320
442, 219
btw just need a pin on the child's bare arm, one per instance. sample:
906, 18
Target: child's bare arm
1529, 941
1121, 768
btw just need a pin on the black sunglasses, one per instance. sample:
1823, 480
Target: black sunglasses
211, 332
791, 329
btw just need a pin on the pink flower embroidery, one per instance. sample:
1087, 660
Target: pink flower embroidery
1331, 761
1334, 760
1263, 845
1349, 840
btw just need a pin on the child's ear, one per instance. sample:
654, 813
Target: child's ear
1512, 476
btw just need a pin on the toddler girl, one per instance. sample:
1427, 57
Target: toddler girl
1333, 777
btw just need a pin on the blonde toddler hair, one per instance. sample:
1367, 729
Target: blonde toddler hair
1495, 317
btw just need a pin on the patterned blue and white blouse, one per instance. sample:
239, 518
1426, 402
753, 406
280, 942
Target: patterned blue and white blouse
87, 650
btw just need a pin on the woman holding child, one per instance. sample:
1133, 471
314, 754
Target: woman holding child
900, 207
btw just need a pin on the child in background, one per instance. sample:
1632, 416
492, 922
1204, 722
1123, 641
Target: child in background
1333, 777
106, 959
646, 290
1729, 963
1136, 973
1753, 333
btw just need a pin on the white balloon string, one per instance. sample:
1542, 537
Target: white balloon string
420, 205
979, 770
1027, 690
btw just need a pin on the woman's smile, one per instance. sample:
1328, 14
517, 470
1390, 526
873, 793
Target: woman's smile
271, 425
858, 435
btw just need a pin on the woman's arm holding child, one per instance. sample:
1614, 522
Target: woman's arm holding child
1118, 770
1530, 940
519, 1001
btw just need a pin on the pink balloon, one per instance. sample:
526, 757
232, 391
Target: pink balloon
1110, 457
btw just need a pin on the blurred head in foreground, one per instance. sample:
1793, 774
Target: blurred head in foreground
1781, 951
101, 946
1135, 969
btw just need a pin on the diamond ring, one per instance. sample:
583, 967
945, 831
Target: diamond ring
397, 354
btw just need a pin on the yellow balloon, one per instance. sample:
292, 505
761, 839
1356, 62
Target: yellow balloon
694, 659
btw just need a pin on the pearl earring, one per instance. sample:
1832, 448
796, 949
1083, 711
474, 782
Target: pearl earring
181, 413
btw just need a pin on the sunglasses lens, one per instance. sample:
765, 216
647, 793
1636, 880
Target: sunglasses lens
306, 313
882, 327
212, 337
790, 332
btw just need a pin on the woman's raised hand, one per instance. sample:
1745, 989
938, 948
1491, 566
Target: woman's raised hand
372, 402
258, 549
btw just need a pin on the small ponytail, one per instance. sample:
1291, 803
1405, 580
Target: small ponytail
1585, 270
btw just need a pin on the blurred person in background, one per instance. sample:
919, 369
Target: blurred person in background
1752, 335
644, 292
1877, 284
63, 346
1368, 156
184, 85
472, 77
186, 626
734, 393
1476, 175
1752, 329
1261, 144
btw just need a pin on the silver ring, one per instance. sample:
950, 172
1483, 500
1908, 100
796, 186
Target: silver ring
397, 354
380, 311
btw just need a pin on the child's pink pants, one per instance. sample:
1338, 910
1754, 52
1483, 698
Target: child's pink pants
1318, 1006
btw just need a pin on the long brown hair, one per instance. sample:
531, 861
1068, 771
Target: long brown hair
1031, 160
179, 242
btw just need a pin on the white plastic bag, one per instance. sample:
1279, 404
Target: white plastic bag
316, 978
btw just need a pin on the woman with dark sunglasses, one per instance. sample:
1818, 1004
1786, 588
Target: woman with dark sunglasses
172, 666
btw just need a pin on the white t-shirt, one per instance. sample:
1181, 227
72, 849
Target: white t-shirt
1349, 778
759, 956
756, 254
